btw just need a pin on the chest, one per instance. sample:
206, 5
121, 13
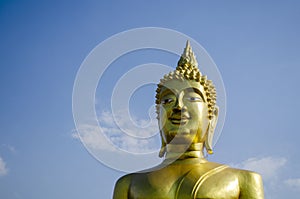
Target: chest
175, 184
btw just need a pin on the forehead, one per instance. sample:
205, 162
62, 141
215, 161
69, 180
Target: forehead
178, 85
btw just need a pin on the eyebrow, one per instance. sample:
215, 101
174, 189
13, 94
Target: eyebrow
196, 90
166, 91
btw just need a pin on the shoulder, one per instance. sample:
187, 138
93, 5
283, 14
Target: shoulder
122, 185
245, 176
125, 178
251, 184
222, 181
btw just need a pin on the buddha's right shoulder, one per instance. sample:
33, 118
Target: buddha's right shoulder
126, 179
122, 186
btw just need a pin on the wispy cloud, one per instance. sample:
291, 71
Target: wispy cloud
9, 147
136, 136
89, 135
268, 167
293, 183
130, 125
3, 168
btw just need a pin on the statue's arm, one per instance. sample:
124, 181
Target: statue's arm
121, 190
251, 186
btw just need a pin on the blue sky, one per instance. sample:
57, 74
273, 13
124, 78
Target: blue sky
254, 44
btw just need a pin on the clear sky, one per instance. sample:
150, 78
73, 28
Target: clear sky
255, 45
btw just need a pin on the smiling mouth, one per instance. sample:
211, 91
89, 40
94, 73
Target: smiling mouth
177, 121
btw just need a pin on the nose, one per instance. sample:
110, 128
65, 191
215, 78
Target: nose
179, 105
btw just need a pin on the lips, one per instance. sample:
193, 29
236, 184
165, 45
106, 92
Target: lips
179, 119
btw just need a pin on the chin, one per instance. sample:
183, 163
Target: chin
181, 138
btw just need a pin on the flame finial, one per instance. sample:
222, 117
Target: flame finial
188, 55
187, 62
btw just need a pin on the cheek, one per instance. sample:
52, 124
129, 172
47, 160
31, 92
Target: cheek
162, 117
204, 119
199, 111
200, 116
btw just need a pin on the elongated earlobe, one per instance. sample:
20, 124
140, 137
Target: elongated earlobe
162, 151
211, 131
162, 148
209, 139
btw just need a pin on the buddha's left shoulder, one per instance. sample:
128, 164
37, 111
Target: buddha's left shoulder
224, 180
240, 174
250, 183
244, 174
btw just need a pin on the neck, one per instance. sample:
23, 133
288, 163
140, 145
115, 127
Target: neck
183, 151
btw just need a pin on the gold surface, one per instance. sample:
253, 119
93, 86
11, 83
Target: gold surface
187, 114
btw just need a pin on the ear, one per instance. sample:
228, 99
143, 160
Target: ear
214, 120
211, 130
162, 150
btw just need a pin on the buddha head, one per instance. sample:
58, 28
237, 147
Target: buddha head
186, 105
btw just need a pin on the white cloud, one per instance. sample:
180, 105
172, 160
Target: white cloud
293, 183
3, 168
90, 137
268, 167
128, 124
135, 136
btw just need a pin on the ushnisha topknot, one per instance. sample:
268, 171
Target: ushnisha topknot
187, 69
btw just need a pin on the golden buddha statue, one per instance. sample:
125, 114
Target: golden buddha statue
187, 114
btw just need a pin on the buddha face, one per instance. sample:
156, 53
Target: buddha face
183, 114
